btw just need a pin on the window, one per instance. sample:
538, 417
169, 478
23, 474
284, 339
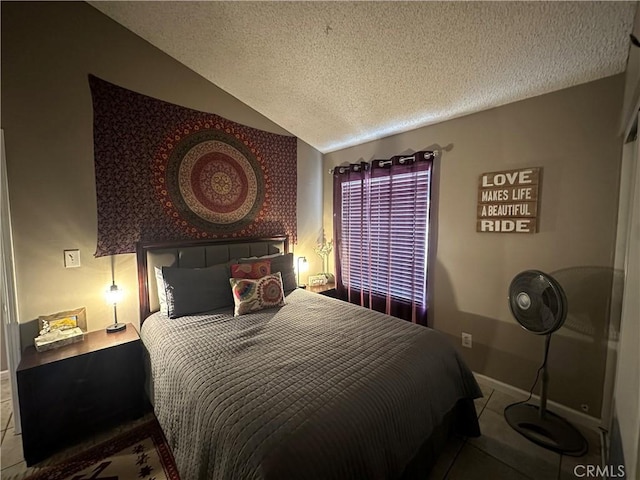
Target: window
384, 229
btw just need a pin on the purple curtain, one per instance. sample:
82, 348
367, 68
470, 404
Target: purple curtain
381, 234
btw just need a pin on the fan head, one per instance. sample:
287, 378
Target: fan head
537, 302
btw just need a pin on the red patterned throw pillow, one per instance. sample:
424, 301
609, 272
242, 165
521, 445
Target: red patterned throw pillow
251, 295
253, 270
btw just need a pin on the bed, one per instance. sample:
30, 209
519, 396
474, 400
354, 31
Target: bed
316, 388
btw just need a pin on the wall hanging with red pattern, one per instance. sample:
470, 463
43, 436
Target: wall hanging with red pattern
166, 172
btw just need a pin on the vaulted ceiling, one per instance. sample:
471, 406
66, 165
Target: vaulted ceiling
337, 74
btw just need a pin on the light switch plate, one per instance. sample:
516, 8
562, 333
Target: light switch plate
71, 258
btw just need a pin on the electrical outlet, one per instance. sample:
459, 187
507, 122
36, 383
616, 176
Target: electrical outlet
71, 258
467, 340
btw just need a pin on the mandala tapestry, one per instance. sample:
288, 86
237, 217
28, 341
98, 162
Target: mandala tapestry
166, 172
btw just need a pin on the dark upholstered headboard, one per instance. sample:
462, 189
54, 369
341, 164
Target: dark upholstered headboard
194, 254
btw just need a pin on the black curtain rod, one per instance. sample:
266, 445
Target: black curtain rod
429, 155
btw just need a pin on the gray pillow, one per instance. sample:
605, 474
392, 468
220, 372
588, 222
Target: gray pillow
196, 290
284, 265
279, 263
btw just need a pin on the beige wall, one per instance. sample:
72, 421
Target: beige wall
48, 49
573, 135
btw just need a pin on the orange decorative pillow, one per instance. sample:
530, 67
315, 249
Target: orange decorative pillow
253, 270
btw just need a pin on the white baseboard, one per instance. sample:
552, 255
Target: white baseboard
570, 414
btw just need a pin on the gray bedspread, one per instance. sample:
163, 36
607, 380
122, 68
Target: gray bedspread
316, 389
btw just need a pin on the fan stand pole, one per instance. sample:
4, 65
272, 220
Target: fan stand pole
545, 379
545, 428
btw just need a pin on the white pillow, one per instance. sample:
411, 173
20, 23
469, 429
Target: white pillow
162, 293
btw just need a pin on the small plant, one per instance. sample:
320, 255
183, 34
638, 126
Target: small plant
323, 250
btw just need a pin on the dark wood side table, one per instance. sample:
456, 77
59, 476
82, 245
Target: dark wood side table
72, 392
328, 289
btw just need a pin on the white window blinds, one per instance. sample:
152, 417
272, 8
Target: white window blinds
385, 223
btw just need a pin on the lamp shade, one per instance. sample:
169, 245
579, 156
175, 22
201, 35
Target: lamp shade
302, 266
114, 294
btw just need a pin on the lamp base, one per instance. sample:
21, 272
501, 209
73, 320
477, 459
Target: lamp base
116, 327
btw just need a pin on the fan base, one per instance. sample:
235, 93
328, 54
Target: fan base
552, 432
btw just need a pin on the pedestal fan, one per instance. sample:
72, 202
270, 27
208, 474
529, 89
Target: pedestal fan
539, 304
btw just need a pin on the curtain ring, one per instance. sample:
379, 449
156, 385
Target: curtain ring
404, 160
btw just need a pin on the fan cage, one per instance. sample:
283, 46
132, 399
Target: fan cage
537, 302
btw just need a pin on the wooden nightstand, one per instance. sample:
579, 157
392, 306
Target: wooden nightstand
71, 392
328, 289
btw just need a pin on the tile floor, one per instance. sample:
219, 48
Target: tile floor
499, 454
502, 453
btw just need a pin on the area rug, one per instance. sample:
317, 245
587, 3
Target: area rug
140, 453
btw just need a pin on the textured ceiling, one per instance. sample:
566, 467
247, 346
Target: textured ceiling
337, 74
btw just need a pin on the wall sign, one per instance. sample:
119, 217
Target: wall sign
508, 201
